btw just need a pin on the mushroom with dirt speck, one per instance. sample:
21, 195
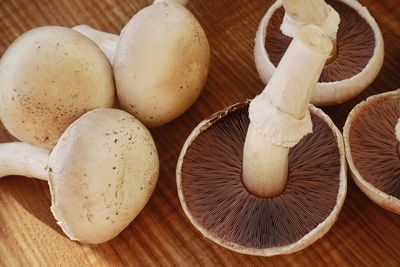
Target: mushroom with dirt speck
90, 201
48, 99
160, 61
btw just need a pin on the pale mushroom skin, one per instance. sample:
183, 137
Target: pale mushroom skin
160, 59
161, 63
102, 173
107, 42
252, 162
49, 77
326, 93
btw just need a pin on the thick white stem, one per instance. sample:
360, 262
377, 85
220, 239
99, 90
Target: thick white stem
279, 115
302, 12
398, 130
23, 160
107, 42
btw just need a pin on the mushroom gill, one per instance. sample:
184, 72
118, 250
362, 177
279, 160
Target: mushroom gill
218, 201
374, 146
355, 43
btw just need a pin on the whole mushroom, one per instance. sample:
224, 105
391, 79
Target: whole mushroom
270, 179
160, 61
49, 77
101, 173
372, 134
358, 47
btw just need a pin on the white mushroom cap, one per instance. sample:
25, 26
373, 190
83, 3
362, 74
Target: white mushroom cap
102, 173
161, 63
49, 77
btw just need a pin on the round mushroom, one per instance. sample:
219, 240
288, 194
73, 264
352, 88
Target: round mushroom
101, 173
358, 44
269, 179
161, 62
49, 77
372, 134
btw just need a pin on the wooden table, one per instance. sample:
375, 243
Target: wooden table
364, 235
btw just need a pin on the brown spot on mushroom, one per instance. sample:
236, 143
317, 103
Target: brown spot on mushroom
355, 41
218, 201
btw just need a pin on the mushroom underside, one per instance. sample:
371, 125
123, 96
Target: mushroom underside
355, 43
375, 149
213, 192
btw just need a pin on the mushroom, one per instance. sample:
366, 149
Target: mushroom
358, 44
49, 77
372, 135
269, 179
101, 173
107, 42
160, 63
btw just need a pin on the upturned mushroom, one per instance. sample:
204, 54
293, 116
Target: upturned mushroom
271, 178
358, 45
101, 173
160, 61
49, 77
372, 136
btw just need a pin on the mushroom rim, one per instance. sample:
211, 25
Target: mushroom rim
326, 93
382, 199
307, 239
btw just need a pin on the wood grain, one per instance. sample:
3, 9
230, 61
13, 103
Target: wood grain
364, 235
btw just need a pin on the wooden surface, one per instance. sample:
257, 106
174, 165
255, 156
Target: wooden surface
364, 235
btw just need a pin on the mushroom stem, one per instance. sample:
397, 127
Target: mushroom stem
301, 12
306, 11
107, 42
398, 130
23, 160
279, 116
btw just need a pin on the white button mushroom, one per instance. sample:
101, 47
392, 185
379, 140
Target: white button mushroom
49, 77
101, 173
161, 61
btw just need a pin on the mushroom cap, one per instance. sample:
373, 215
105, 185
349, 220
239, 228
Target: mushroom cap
369, 136
359, 55
49, 77
161, 63
218, 205
102, 173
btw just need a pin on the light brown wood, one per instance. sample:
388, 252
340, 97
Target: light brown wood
364, 235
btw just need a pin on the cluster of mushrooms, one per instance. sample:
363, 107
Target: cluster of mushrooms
58, 87
263, 177
268, 176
